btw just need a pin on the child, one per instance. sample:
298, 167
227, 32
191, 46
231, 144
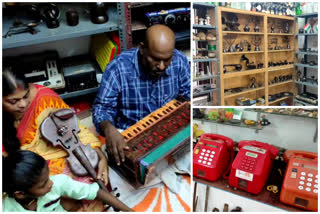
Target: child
28, 185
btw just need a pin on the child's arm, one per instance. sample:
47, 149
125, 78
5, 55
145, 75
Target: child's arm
109, 199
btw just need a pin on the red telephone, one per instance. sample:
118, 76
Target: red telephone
252, 165
211, 156
300, 184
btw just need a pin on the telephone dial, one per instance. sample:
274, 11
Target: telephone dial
252, 165
300, 184
211, 156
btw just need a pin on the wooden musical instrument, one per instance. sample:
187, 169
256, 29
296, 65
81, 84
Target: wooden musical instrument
61, 128
161, 133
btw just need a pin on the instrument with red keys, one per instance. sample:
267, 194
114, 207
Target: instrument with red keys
163, 132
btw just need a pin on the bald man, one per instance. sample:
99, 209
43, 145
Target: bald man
138, 82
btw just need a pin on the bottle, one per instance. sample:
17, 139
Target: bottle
298, 9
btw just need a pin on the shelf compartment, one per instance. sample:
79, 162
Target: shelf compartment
280, 83
205, 77
242, 73
243, 52
241, 32
204, 92
205, 60
242, 92
84, 28
198, 5
231, 124
284, 50
306, 65
280, 34
196, 26
79, 93
283, 67
307, 84
308, 53
304, 103
278, 100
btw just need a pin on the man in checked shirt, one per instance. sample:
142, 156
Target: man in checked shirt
138, 82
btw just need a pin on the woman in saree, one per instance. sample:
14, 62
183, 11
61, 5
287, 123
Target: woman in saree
25, 106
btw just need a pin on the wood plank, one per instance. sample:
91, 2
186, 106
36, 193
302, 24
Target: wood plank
243, 92
243, 73
280, 83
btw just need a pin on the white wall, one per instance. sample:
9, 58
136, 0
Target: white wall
284, 131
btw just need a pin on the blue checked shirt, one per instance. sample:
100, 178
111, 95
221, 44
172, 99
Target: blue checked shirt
126, 95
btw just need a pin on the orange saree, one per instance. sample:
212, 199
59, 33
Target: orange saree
28, 133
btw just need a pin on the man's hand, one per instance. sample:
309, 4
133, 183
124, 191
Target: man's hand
114, 141
103, 171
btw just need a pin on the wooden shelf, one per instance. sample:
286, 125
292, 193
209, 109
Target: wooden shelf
278, 100
280, 34
280, 83
236, 79
241, 32
243, 92
283, 67
280, 17
283, 50
243, 52
242, 73
244, 12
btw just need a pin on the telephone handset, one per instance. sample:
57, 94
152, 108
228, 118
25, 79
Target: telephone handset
300, 184
252, 165
211, 156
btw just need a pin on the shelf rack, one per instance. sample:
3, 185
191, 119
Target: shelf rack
304, 86
213, 75
116, 22
238, 78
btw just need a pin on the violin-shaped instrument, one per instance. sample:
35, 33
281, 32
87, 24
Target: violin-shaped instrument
61, 128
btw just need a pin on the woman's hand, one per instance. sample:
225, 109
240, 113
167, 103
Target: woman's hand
103, 170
